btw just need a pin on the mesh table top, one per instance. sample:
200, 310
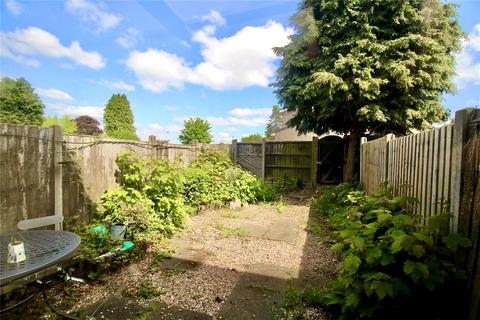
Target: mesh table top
43, 248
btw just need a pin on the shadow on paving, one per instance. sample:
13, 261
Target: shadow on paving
253, 296
256, 293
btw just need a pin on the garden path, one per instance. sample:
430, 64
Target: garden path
227, 264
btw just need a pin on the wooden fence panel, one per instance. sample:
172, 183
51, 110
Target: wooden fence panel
441, 169
416, 166
27, 174
288, 161
249, 156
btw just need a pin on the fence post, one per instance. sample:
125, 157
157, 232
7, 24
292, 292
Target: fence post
460, 127
58, 181
389, 137
314, 161
152, 140
234, 151
263, 159
362, 141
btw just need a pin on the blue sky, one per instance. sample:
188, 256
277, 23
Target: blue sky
173, 59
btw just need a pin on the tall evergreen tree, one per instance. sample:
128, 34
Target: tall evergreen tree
358, 65
275, 122
118, 118
19, 104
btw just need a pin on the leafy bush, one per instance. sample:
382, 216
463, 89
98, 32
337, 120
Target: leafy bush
394, 267
212, 179
149, 198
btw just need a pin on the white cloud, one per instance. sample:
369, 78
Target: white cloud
75, 111
129, 39
157, 69
93, 13
185, 44
235, 121
13, 6
246, 112
222, 137
120, 85
35, 41
54, 94
468, 64
168, 132
214, 17
242, 60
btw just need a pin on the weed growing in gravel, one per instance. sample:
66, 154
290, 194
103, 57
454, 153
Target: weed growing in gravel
148, 290
231, 231
147, 311
159, 257
262, 287
281, 205
173, 271
230, 215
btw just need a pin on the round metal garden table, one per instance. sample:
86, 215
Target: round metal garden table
43, 249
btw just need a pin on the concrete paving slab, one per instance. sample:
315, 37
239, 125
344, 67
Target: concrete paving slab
281, 231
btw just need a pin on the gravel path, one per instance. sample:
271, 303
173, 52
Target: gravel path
227, 264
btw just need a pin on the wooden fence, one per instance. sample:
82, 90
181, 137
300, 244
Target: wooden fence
441, 169
45, 173
283, 162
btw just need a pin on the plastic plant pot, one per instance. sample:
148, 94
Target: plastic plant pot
117, 231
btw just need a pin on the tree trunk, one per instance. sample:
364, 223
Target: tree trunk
350, 163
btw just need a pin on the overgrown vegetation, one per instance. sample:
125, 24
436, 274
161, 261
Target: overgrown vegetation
394, 266
155, 198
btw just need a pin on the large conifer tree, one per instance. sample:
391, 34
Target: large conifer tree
118, 118
358, 65
19, 103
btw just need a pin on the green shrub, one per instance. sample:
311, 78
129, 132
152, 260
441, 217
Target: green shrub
393, 266
212, 179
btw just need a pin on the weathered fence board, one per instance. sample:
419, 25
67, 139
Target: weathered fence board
416, 166
249, 156
441, 169
284, 161
28, 161
27, 174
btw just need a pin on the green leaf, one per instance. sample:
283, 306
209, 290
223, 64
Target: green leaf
337, 247
384, 218
358, 243
351, 263
372, 254
352, 300
418, 250
454, 240
387, 259
408, 267
382, 289
403, 242
423, 237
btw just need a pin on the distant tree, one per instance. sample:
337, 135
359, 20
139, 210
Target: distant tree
195, 129
88, 126
360, 65
256, 137
69, 126
118, 118
275, 122
19, 104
